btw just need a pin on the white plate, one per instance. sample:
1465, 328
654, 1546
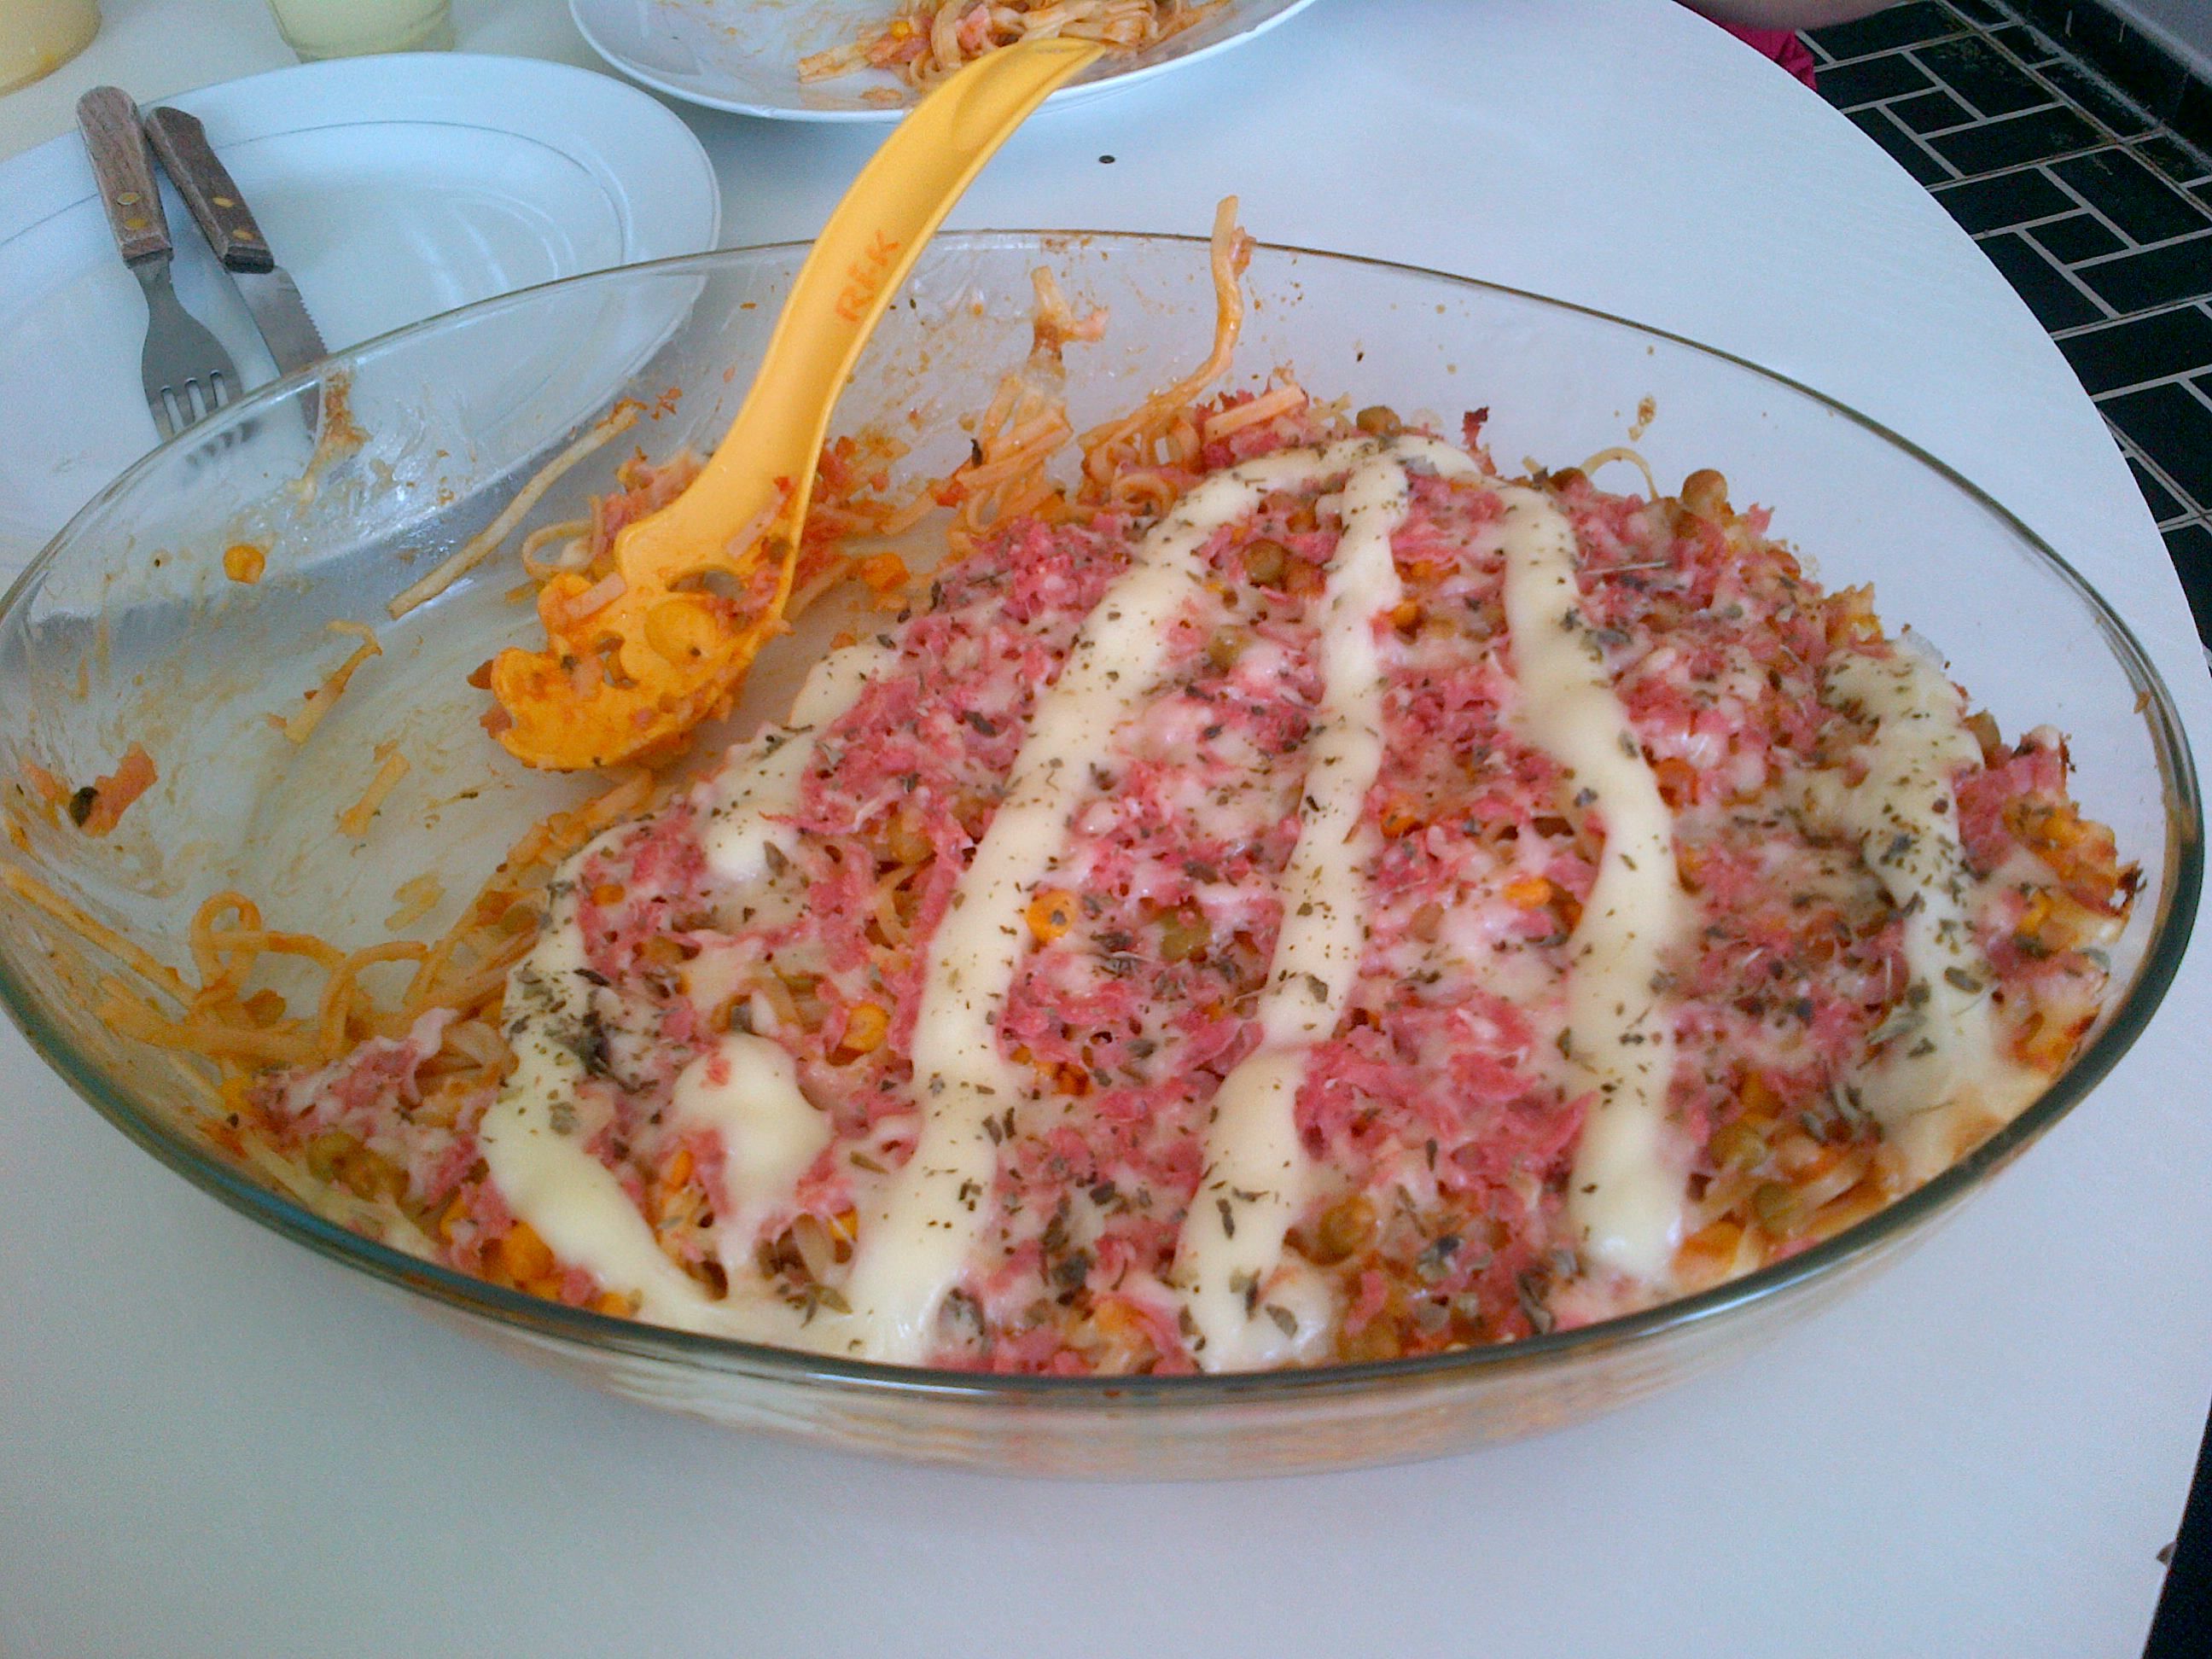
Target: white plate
743, 55
391, 188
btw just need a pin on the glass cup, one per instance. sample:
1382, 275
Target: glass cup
349, 28
37, 37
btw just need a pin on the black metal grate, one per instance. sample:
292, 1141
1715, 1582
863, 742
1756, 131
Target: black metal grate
2092, 199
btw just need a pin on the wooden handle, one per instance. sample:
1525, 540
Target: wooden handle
124, 174
209, 190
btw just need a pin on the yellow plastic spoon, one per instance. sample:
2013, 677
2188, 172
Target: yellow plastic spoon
631, 666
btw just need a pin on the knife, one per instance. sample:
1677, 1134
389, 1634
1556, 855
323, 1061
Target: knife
224, 219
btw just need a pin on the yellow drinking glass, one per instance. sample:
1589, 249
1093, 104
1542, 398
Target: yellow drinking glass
350, 28
37, 37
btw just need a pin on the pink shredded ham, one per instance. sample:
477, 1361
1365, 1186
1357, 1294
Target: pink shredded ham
1446, 1128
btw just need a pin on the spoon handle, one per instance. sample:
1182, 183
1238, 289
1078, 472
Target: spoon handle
681, 654
861, 257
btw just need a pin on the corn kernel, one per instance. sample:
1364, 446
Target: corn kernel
866, 1028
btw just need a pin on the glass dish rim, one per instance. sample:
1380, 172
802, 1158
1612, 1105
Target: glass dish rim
530, 1316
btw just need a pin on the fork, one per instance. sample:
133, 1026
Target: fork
186, 373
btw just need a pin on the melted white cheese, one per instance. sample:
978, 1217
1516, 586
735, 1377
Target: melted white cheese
535, 1136
770, 1132
1626, 1200
1948, 1075
1257, 1181
757, 786
533, 1139
915, 1242
918, 1238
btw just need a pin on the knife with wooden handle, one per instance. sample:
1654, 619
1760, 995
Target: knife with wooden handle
228, 223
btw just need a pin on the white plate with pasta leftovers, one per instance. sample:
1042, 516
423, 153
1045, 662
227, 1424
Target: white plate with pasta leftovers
392, 189
868, 60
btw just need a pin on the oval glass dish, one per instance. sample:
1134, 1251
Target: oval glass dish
128, 629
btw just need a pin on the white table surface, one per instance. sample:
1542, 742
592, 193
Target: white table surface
212, 1443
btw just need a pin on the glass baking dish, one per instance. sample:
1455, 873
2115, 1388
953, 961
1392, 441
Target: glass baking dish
128, 629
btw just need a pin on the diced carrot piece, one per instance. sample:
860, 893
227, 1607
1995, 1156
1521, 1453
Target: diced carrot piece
1528, 892
1708, 1255
133, 776
525, 1255
882, 572
1678, 781
1051, 913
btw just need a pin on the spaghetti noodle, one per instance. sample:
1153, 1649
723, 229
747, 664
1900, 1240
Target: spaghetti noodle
926, 40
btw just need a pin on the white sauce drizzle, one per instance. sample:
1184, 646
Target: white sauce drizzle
770, 1132
532, 1136
916, 1240
1230, 1261
1950, 1074
533, 1145
758, 785
1626, 1198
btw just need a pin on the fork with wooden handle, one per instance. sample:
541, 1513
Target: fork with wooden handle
186, 373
